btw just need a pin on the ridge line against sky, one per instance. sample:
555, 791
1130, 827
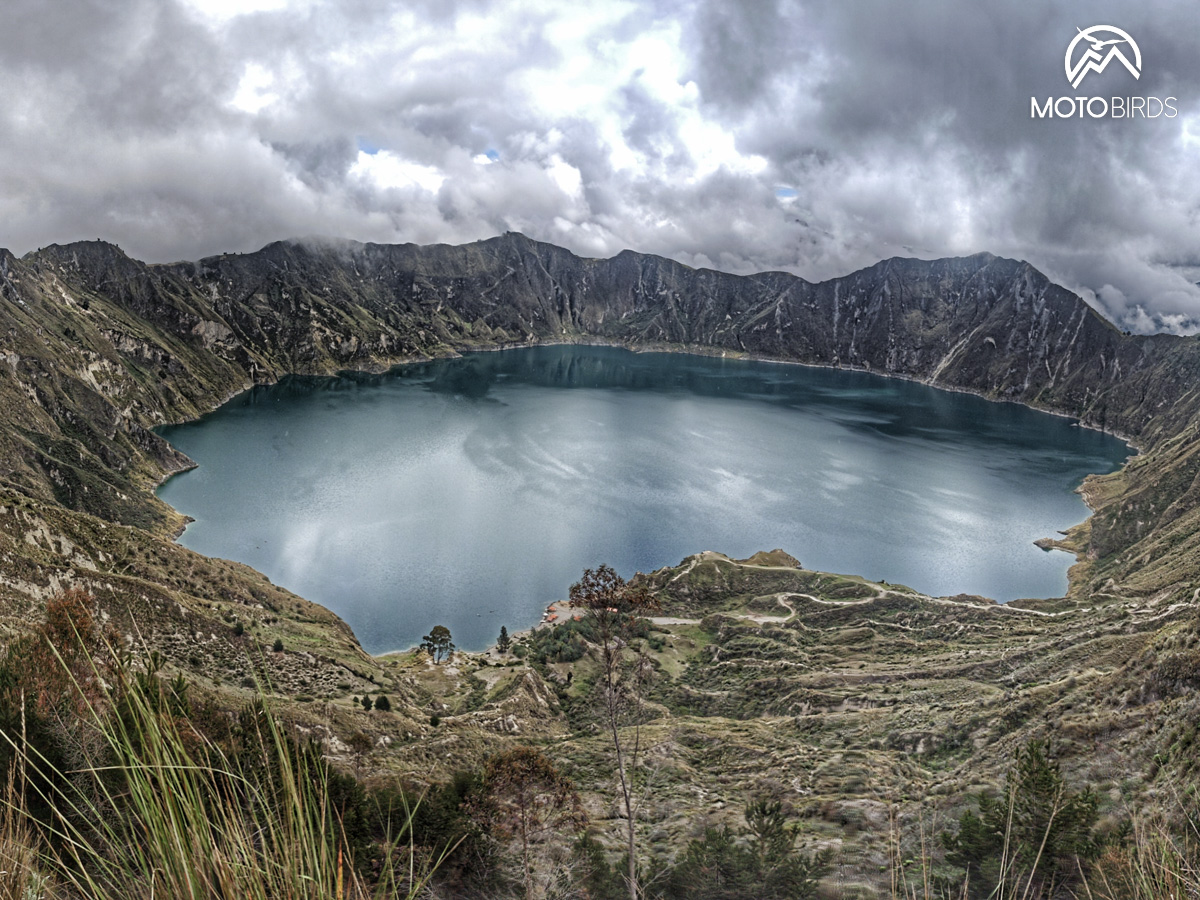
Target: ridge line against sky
815, 137
334, 244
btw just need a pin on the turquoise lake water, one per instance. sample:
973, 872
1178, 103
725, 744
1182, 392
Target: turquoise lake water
472, 492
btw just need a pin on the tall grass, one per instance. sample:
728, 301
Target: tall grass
1153, 863
1156, 865
21, 877
165, 812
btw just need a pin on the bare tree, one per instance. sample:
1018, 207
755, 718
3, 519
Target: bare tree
361, 746
528, 802
612, 607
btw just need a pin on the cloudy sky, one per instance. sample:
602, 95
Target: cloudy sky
816, 136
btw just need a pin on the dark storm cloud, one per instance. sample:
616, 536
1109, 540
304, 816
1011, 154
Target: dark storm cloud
816, 136
319, 163
129, 67
934, 98
740, 50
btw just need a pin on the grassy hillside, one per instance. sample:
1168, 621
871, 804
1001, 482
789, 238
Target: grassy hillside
866, 709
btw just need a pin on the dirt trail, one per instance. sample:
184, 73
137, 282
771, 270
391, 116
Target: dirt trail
880, 592
753, 617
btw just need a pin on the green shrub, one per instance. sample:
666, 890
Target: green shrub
760, 861
1038, 832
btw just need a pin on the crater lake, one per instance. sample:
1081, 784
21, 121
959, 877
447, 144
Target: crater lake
471, 492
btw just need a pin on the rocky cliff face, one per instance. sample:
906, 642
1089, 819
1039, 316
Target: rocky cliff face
97, 348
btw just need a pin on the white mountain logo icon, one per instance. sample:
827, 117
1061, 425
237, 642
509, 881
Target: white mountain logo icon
1104, 44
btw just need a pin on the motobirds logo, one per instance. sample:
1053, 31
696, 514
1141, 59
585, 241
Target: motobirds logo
1095, 59
1092, 50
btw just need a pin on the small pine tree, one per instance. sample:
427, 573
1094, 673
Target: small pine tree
504, 641
383, 704
366, 703
1039, 830
278, 645
239, 629
760, 860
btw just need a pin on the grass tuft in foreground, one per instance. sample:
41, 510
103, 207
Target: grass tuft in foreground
156, 808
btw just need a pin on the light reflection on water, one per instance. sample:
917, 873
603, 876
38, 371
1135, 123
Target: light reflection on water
472, 492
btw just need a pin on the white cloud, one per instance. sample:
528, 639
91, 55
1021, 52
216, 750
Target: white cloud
254, 90
385, 170
566, 177
218, 12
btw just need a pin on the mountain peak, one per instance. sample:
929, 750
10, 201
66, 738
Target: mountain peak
98, 260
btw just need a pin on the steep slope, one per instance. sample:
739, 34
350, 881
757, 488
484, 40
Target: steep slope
871, 712
98, 348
